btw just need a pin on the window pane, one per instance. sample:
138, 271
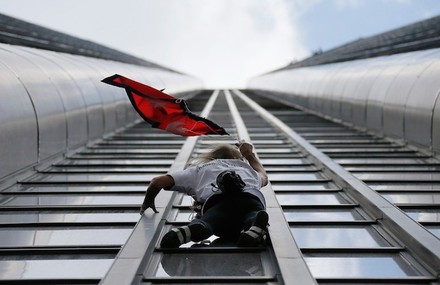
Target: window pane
425, 216
67, 237
281, 161
8, 217
48, 200
184, 216
83, 188
413, 198
210, 264
355, 267
66, 178
310, 199
294, 176
337, 237
434, 230
54, 269
321, 215
303, 186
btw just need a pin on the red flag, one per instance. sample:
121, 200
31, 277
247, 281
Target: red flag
163, 111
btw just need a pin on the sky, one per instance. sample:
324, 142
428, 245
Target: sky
222, 42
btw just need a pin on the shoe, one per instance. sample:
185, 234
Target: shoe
256, 235
177, 237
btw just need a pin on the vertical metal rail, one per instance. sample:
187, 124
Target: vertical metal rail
418, 242
135, 255
288, 255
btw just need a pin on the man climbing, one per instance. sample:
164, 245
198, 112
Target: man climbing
227, 188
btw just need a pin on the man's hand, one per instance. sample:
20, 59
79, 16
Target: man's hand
148, 204
156, 184
245, 148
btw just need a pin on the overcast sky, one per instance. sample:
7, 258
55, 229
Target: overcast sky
222, 42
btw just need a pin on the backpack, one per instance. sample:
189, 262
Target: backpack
229, 182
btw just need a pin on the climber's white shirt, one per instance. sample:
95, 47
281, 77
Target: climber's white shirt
196, 181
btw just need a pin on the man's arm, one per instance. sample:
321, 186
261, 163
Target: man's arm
156, 184
246, 150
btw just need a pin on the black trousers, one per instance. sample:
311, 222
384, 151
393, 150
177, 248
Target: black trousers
227, 215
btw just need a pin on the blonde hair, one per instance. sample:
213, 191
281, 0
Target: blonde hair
221, 151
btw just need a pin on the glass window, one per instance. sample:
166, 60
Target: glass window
434, 230
321, 215
54, 269
65, 178
115, 169
424, 215
63, 237
360, 267
404, 186
210, 264
13, 217
413, 198
303, 186
337, 237
186, 201
310, 199
294, 176
391, 176
184, 216
281, 161
48, 200
94, 161
296, 168
82, 188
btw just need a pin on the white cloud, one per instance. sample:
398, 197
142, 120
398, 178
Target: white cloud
223, 42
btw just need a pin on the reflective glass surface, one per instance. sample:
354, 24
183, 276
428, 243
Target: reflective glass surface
210, 264
117, 161
186, 201
434, 230
117, 151
395, 160
65, 178
14, 217
48, 200
97, 169
358, 267
281, 161
298, 168
418, 176
294, 176
82, 188
54, 269
68, 237
413, 198
310, 199
425, 215
404, 186
321, 215
303, 186
337, 237
184, 216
